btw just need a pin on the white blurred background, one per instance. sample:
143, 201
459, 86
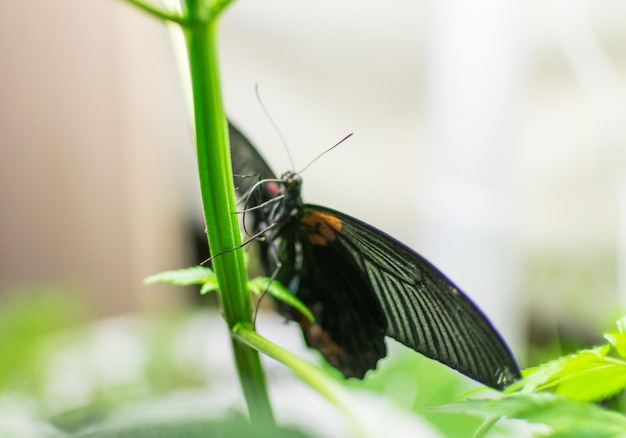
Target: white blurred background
489, 136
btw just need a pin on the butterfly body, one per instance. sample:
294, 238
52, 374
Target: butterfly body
362, 284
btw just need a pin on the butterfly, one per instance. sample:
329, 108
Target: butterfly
360, 283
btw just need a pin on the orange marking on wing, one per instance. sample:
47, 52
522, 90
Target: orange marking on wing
332, 221
318, 338
323, 227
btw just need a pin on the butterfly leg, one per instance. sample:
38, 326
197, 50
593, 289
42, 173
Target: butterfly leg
274, 254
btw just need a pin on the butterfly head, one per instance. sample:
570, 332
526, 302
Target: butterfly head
292, 182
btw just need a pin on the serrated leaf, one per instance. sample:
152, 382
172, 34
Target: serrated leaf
206, 277
618, 338
209, 287
184, 276
586, 375
618, 341
280, 292
621, 324
597, 382
564, 416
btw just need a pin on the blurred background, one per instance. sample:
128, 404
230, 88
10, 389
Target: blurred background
488, 136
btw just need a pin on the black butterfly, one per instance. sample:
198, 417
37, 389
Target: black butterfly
361, 284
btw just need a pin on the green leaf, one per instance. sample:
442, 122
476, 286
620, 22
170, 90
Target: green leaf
618, 338
621, 324
592, 380
206, 277
617, 341
588, 375
280, 292
565, 417
184, 276
208, 287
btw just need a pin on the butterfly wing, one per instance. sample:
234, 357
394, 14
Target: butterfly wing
363, 284
249, 166
349, 326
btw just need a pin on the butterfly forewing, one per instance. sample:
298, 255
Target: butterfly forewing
249, 166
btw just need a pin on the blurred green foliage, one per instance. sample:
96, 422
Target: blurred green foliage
47, 344
27, 319
38, 329
418, 384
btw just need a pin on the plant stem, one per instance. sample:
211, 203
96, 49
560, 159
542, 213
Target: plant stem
216, 184
156, 12
487, 424
309, 373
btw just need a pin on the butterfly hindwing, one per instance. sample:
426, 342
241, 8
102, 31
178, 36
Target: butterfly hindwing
349, 326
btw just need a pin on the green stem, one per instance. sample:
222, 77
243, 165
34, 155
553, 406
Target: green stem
309, 373
220, 5
199, 22
216, 184
157, 12
487, 424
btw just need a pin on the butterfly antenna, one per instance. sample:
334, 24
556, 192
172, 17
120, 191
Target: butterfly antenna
325, 152
269, 117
